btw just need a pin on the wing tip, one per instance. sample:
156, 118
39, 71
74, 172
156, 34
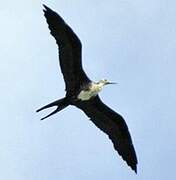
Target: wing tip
47, 9
132, 164
134, 168
51, 15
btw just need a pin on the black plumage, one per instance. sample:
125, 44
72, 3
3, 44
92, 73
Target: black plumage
70, 50
76, 80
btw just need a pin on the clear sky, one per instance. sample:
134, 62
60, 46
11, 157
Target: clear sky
130, 42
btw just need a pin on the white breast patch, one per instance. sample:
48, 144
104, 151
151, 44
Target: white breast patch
85, 95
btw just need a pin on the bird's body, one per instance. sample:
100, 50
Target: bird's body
91, 90
83, 93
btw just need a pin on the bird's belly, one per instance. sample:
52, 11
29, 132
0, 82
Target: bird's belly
86, 95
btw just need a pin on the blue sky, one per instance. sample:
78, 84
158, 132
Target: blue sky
130, 42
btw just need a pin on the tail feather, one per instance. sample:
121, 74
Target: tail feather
61, 104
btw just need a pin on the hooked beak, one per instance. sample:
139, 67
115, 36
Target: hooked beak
111, 83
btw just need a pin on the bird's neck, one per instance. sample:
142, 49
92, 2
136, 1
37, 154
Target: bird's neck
96, 86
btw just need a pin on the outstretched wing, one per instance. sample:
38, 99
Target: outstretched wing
69, 51
113, 125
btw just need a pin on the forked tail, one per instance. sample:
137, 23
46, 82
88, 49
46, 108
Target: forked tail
61, 104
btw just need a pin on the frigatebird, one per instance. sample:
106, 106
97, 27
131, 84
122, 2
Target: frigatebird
83, 93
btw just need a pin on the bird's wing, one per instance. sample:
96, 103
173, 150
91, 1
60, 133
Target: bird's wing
113, 125
69, 51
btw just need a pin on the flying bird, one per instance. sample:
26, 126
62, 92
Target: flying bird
83, 93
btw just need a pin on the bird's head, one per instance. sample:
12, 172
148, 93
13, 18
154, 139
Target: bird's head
105, 82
